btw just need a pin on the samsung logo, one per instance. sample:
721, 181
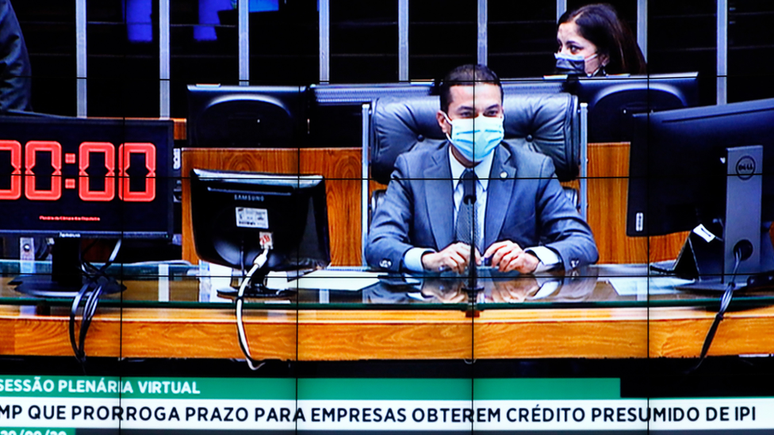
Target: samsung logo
69, 235
248, 197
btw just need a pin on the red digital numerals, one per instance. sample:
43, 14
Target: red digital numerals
86, 150
124, 153
14, 192
31, 153
84, 157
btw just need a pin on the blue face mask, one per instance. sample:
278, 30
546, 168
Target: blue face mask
476, 138
572, 64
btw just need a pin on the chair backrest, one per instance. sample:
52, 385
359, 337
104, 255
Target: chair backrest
548, 123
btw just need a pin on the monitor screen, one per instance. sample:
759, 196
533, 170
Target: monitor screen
677, 178
246, 116
79, 177
612, 100
236, 215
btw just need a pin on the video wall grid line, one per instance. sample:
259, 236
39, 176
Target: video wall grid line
244, 42
164, 59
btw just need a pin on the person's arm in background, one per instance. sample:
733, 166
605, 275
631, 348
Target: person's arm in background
15, 70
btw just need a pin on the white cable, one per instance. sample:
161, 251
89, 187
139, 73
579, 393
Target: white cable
257, 264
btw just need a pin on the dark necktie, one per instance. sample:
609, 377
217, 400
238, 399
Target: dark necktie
466, 226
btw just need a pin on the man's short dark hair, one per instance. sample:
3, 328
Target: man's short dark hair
466, 75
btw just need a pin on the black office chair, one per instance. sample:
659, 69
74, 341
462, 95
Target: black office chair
548, 123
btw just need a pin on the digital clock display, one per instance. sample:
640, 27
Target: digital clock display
85, 177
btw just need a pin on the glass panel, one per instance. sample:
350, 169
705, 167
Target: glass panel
204, 47
49, 32
364, 41
602, 286
284, 43
123, 58
750, 45
441, 37
522, 38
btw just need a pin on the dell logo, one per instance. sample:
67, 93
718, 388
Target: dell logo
745, 167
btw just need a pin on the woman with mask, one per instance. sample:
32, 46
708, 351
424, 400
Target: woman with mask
593, 41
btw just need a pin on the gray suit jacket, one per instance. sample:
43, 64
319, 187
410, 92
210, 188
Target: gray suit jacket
525, 204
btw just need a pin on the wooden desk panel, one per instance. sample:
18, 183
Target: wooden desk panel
395, 335
607, 189
341, 168
608, 184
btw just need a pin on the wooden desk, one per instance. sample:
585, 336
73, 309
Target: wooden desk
316, 335
341, 168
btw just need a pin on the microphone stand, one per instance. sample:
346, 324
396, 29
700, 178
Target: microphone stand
473, 287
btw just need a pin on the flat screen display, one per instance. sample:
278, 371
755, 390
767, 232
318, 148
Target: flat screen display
73, 177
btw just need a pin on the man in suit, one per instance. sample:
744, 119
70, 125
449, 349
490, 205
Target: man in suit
520, 218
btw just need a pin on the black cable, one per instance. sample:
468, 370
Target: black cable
78, 351
89, 309
95, 283
725, 301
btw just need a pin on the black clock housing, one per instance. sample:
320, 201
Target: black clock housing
79, 177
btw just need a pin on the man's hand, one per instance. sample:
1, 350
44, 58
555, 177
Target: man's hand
454, 257
513, 290
455, 294
508, 256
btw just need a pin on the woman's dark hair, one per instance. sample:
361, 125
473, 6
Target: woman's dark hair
599, 23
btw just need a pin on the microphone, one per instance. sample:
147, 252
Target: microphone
469, 197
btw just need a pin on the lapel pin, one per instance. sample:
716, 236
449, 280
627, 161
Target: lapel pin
503, 174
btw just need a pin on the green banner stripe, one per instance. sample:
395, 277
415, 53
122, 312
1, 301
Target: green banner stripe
384, 389
547, 389
310, 389
459, 389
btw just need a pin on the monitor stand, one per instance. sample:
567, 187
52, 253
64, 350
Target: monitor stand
67, 276
711, 260
256, 289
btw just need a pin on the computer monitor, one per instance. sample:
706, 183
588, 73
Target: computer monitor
75, 178
238, 215
696, 166
612, 100
336, 111
246, 116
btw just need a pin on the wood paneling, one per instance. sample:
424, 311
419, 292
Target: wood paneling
340, 167
608, 173
180, 132
607, 188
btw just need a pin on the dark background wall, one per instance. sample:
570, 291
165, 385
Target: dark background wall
123, 68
